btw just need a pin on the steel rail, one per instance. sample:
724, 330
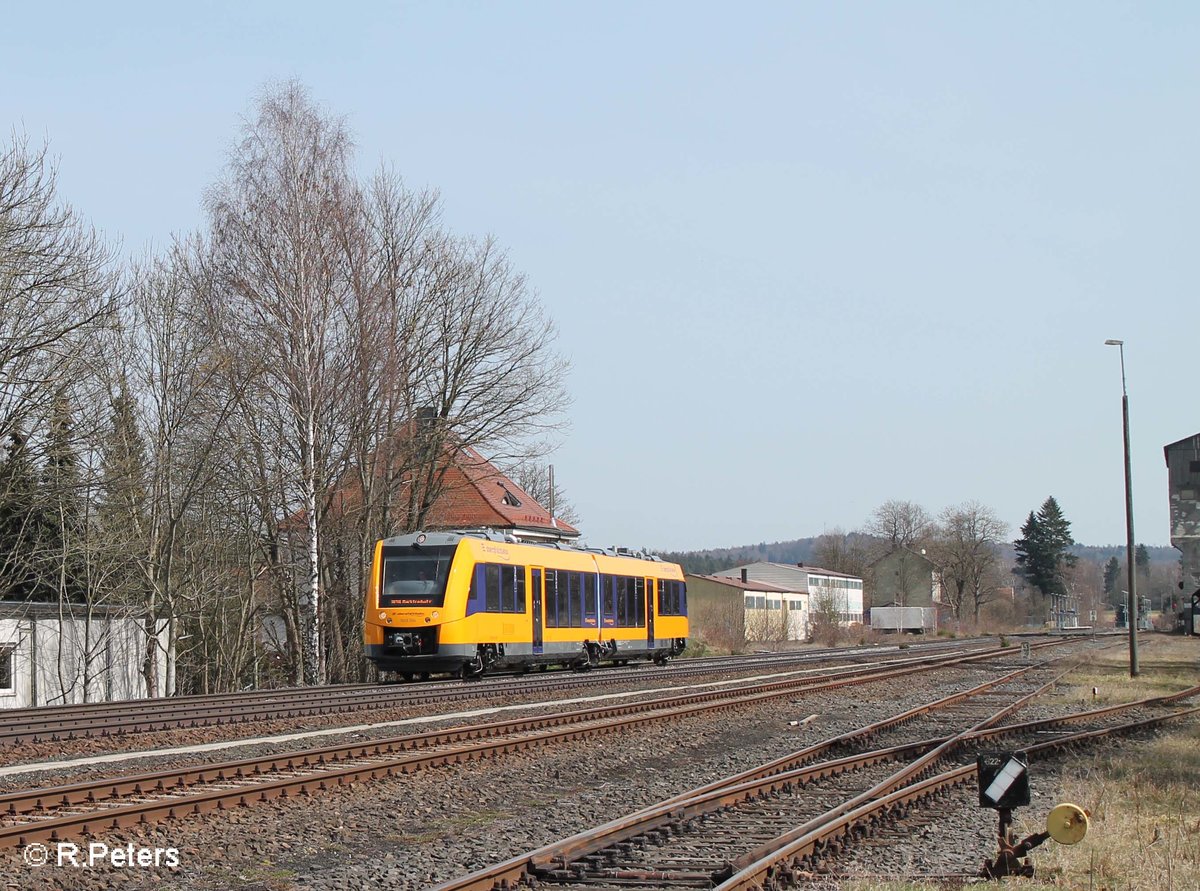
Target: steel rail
90, 720
613, 718
820, 836
778, 775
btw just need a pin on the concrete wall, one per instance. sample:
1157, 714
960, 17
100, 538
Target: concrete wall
77, 659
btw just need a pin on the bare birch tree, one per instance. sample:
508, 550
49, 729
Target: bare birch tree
284, 296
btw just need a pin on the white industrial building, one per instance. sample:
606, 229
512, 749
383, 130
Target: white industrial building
59, 654
812, 584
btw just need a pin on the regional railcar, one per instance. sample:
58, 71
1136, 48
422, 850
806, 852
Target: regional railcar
466, 603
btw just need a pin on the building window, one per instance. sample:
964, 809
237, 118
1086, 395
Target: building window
6, 674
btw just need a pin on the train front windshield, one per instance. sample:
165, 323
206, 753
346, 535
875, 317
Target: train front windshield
415, 576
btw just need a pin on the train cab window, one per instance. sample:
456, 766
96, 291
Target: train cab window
414, 576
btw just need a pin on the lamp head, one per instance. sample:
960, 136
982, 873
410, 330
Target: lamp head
1114, 343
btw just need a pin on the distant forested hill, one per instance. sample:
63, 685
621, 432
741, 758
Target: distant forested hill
800, 550
716, 559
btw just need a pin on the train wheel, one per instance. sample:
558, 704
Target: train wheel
471, 670
407, 675
424, 675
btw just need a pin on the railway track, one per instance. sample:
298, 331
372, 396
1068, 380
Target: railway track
782, 822
97, 806
93, 720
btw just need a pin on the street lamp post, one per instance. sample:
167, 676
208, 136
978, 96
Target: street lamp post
1131, 610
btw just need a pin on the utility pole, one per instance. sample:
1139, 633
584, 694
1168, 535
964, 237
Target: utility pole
1132, 608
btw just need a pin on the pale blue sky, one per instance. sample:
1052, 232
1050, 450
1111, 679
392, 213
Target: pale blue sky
804, 257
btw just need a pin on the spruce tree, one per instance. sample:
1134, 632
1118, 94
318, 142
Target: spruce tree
122, 509
22, 523
1112, 572
1141, 559
1042, 550
60, 556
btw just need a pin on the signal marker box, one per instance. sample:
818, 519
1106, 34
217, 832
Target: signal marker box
1003, 780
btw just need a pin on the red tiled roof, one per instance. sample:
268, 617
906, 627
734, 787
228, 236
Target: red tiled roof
477, 494
473, 495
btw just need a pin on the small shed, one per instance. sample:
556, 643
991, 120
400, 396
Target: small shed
60, 654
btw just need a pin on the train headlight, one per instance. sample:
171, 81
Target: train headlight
435, 614
382, 616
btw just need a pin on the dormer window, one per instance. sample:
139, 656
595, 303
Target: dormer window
509, 498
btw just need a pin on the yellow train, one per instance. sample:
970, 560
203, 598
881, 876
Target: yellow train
467, 603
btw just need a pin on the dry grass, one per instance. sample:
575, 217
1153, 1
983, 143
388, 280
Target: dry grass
1143, 797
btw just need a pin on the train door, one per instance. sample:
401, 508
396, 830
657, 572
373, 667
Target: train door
651, 594
536, 597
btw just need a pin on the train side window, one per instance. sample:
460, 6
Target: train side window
608, 589
639, 602
670, 598
521, 603
622, 606
576, 590
508, 589
491, 587
589, 598
551, 598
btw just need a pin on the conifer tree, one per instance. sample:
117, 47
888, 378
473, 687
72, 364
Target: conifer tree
123, 508
60, 558
1112, 572
21, 522
1042, 550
